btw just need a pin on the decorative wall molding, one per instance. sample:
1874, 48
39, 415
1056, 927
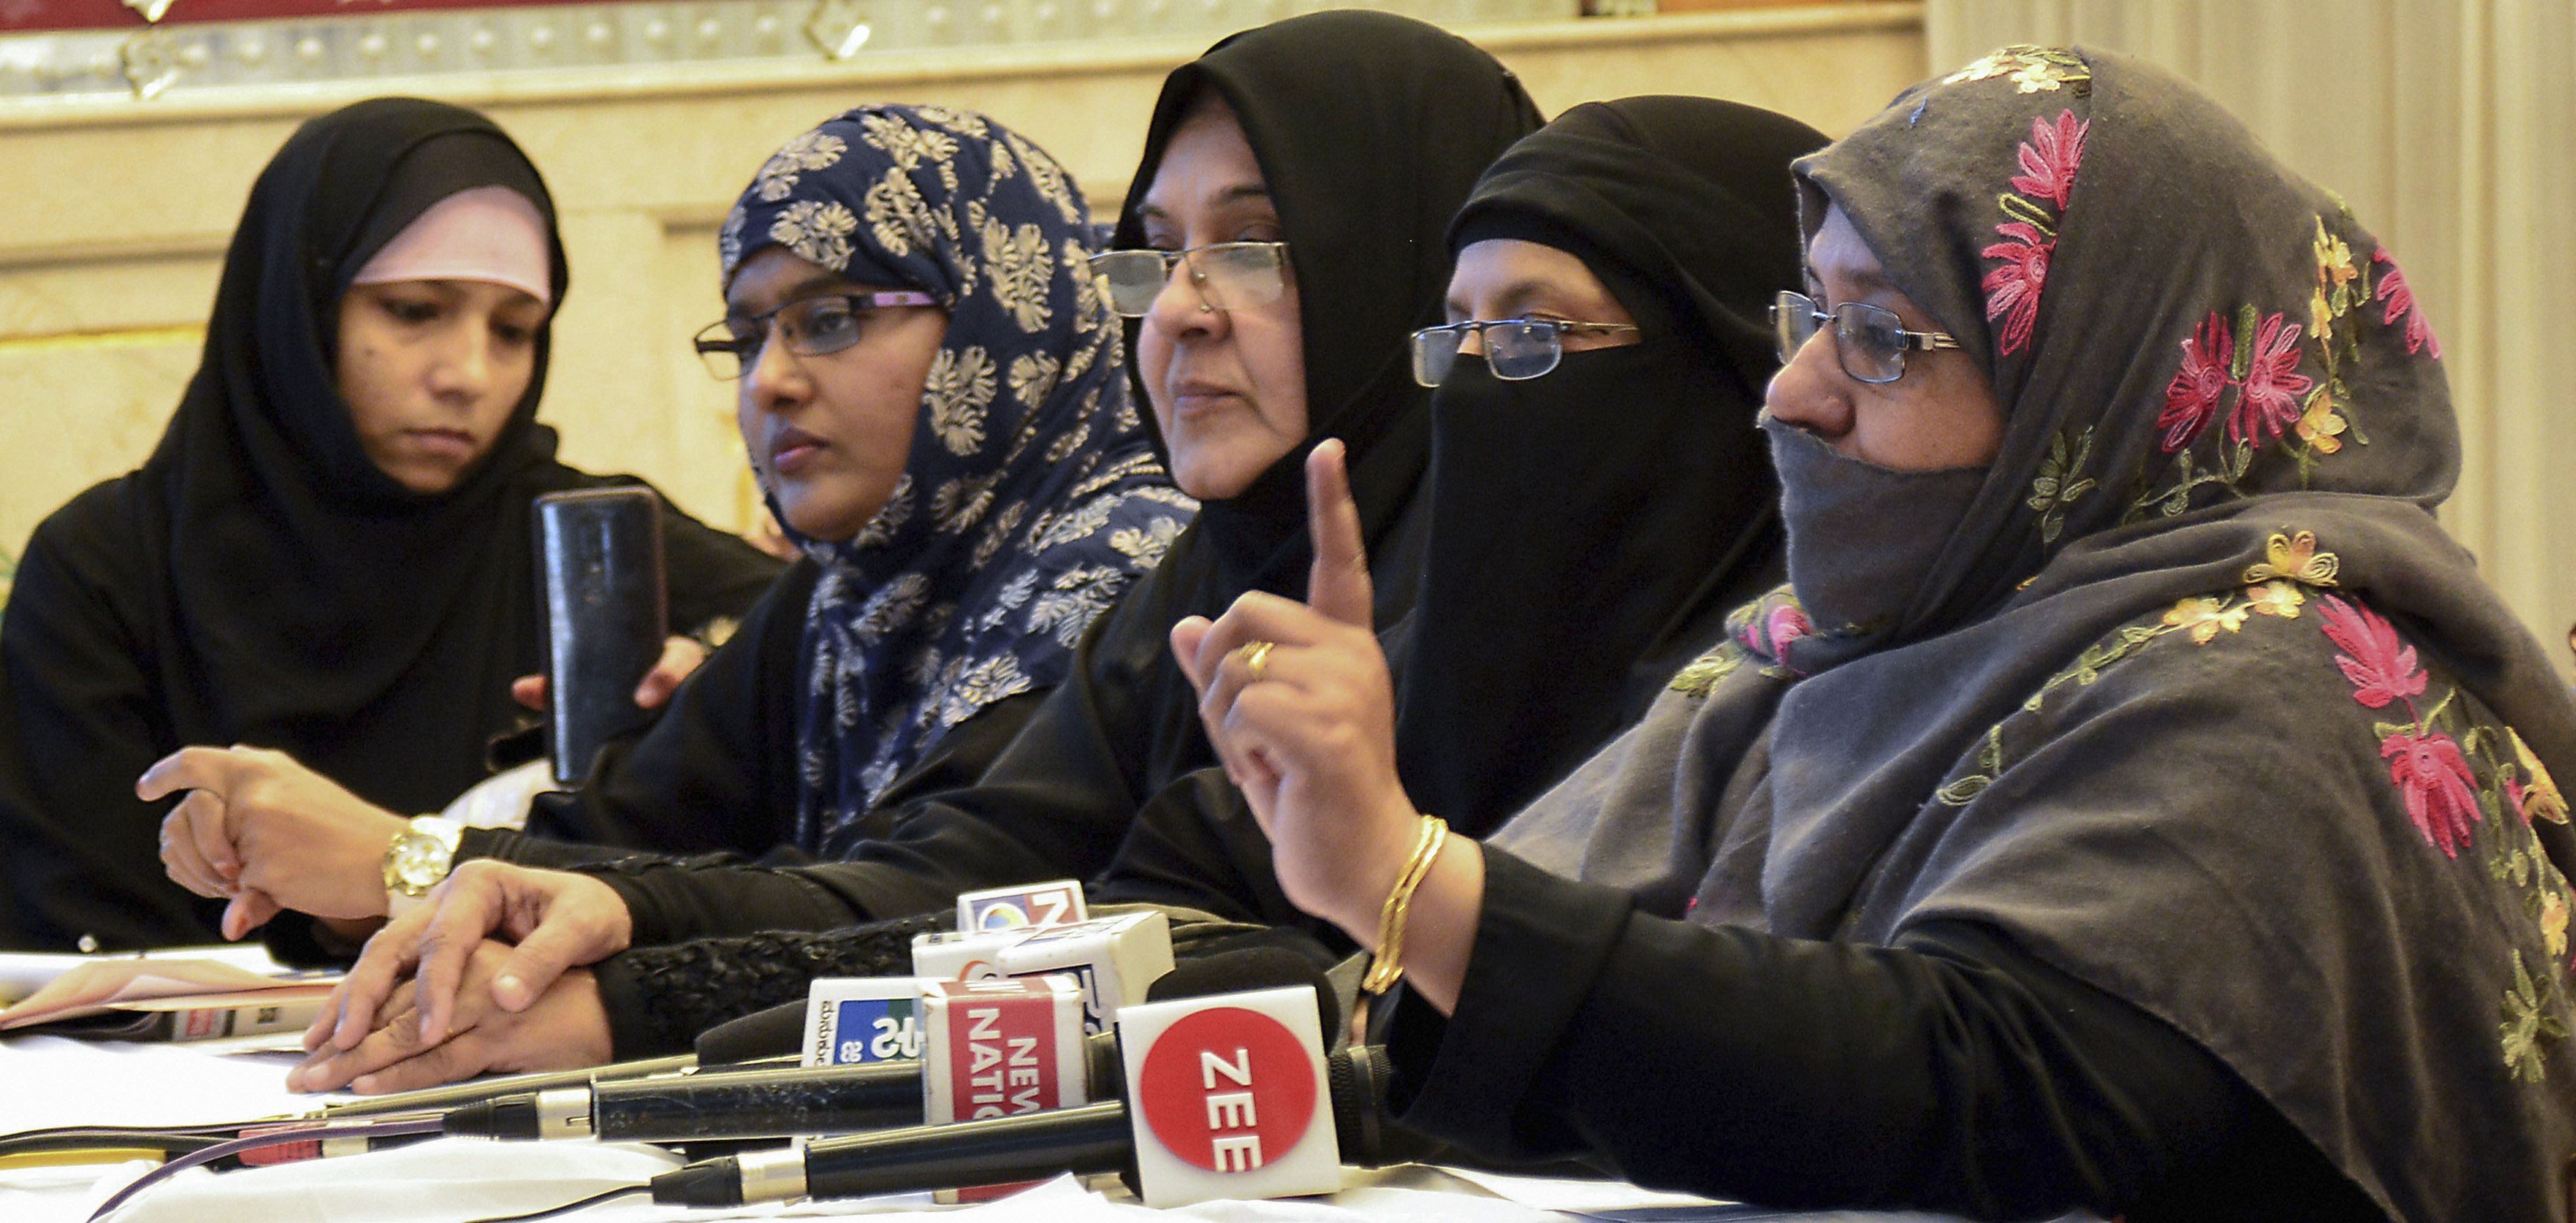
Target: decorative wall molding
120, 50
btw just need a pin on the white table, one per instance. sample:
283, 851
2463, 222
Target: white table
50, 1081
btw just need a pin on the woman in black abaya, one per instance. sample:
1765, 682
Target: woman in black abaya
282, 573
1359, 136
1593, 524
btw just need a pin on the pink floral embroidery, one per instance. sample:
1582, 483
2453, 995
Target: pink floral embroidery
2401, 300
2049, 158
2191, 399
2433, 777
2380, 665
2426, 766
1786, 623
2048, 162
2269, 401
2013, 289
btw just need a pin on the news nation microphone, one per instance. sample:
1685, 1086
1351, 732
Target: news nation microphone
1232, 1100
1008, 1056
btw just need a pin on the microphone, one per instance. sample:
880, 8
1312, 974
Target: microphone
788, 1101
1090, 1138
773, 1033
693, 1107
432, 1099
1246, 969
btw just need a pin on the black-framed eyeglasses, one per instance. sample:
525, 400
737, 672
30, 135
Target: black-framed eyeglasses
812, 327
1870, 340
1515, 348
1229, 275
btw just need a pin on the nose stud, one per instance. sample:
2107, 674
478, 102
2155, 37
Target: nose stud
1205, 308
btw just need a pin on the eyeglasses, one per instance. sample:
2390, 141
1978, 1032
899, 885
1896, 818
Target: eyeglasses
1870, 340
1229, 275
1515, 348
812, 327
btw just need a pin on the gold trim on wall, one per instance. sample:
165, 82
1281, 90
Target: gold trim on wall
121, 337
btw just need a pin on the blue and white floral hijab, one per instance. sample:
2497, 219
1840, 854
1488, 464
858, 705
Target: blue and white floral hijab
1033, 494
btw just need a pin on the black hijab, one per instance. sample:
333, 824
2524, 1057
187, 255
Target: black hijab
1591, 527
1341, 107
307, 600
1370, 130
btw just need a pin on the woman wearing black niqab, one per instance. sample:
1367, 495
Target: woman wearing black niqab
1592, 526
260, 579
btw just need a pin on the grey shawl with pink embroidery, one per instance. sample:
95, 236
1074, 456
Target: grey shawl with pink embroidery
2200, 704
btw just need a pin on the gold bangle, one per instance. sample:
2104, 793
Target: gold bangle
1388, 966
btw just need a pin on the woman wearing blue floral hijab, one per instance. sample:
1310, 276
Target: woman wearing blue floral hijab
1030, 495
933, 397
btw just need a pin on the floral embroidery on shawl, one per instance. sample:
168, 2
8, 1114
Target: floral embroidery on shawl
2258, 357
2401, 301
2277, 586
2031, 69
2057, 486
2448, 772
1759, 631
2048, 163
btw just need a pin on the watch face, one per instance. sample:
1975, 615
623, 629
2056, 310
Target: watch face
418, 862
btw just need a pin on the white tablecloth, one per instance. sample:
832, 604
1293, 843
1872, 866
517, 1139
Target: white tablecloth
49, 1081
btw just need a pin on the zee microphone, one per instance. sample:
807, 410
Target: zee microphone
1085, 1139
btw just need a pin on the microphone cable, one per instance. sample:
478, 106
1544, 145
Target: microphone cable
237, 1146
555, 1212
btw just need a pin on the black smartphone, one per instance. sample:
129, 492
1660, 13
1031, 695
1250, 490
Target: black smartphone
599, 561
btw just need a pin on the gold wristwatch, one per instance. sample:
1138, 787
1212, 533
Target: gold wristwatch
418, 858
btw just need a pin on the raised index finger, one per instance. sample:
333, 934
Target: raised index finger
1338, 585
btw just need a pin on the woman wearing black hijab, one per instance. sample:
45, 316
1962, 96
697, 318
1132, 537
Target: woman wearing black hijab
1592, 524
1366, 132
264, 578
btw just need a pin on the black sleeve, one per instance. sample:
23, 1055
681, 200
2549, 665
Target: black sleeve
1952, 1072
1056, 797
80, 718
673, 900
712, 575
659, 998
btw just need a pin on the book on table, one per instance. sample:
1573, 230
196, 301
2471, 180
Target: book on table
177, 996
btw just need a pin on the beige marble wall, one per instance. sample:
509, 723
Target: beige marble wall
113, 218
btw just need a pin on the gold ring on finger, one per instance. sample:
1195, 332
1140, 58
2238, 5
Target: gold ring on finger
1256, 657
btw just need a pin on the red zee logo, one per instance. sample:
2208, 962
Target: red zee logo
1228, 1089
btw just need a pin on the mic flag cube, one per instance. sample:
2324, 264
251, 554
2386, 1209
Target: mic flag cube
1115, 958
1039, 904
1001, 1048
962, 955
862, 1019
1226, 1096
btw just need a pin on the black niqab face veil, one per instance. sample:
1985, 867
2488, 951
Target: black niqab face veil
1370, 130
1592, 526
308, 599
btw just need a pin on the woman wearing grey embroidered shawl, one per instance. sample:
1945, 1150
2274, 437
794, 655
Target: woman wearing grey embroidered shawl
2163, 825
